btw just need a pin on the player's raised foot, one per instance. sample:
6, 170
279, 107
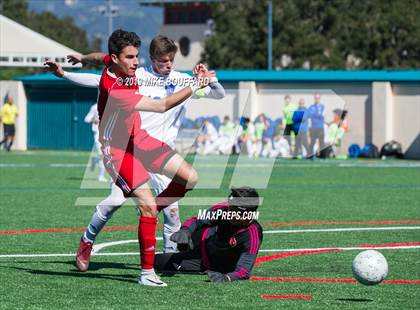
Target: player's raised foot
102, 179
83, 255
151, 279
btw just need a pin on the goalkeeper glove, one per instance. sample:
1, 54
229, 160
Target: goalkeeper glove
217, 277
183, 239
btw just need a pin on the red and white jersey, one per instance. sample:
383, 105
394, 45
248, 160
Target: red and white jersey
119, 122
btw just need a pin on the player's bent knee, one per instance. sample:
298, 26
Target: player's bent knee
107, 210
192, 179
148, 210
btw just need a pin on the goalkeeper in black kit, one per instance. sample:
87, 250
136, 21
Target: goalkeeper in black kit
222, 241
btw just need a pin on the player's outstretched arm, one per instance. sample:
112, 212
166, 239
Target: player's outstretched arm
242, 270
183, 240
81, 79
93, 58
165, 104
183, 237
214, 90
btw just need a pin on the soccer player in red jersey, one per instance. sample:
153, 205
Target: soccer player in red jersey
130, 153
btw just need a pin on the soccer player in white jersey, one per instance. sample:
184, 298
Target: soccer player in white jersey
93, 118
154, 83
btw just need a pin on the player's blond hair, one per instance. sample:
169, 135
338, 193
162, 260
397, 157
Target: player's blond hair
162, 46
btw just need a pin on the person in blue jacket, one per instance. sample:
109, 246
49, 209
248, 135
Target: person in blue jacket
316, 130
300, 127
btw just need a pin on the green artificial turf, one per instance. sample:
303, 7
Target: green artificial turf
39, 190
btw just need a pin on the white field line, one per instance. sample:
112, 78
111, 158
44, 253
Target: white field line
407, 247
186, 201
402, 247
292, 231
100, 246
68, 165
3, 165
244, 165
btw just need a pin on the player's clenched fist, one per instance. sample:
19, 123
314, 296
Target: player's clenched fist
183, 239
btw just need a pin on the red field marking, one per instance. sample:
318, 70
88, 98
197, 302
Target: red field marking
287, 296
282, 279
267, 258
264, 259
60, 230
279, 224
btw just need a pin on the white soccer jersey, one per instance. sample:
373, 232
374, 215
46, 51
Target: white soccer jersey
162, 126
93, 118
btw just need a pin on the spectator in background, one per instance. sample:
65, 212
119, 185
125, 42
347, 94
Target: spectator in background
237, 129
280, 144
8, 115
207, 138
300, 127
336, 130
225, 141
288, 110
316, 131
260, 126
248, 137
268, 136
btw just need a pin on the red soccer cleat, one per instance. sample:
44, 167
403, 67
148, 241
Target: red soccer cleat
83, 255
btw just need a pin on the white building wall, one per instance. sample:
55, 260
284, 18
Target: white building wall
406, 117
378, 112
355, 98
229, 105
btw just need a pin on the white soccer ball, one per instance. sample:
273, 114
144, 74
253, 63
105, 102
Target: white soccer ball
370, 267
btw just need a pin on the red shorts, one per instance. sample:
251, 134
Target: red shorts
130, 168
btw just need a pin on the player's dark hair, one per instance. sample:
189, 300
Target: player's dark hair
120, 39
244, 197
341, 113
162, 46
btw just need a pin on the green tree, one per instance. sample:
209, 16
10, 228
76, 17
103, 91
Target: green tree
317, 34
240, 37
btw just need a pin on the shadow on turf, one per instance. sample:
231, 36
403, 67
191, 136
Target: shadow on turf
119, 277
355, 299
75, 178
75, 273
93, 266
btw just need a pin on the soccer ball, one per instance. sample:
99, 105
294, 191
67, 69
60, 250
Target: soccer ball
370, 267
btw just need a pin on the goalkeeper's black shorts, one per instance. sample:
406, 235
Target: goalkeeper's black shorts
179, 262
